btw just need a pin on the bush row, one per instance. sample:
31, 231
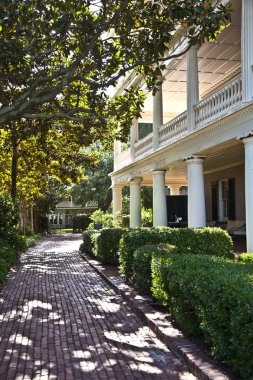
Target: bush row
211, 297
103, 244
202, 241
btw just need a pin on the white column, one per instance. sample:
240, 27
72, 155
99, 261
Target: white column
247, 49
117, 152
174, 189
134, 136
196, 193
135, 202
248, 144
159, 199
192, 86
116, 202
157, 115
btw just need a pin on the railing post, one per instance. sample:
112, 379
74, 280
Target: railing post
134, 136
157, 114
117, 152
192, 86
247, 50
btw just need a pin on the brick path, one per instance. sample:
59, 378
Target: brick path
59, 320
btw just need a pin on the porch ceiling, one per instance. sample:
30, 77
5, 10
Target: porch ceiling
219, 157
218, 62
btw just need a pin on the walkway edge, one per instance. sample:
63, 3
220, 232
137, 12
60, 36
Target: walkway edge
199, 363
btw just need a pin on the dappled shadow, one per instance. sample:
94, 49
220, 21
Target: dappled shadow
60, 320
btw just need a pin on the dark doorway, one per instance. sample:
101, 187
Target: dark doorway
177, 209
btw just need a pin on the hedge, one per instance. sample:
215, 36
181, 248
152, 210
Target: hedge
142, 279
106, 245
86, 246
81, 222
212, 297
205, 241
246, 258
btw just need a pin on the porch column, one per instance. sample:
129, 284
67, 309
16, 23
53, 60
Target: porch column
117, 151
248, 145
157, 114
174, 189
134, 137
116, 202
192, 86
159, 199
196, 193
247, 50
135, 202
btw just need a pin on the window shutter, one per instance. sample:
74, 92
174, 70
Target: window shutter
215, 200
231, 199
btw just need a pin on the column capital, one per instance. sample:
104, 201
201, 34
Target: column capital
117, 186
247, 139
158, 172
194, 159
137, 180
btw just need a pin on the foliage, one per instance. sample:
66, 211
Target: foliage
142, 278
86, 246
206, 241
101, 219
8, 215
211, 297
106, 245
67, 53
246, 257
96, 184
81, 222
146, 217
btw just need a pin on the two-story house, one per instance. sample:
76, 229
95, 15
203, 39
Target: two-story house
202, 134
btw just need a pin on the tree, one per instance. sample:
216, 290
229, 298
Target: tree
96, 185
68, 52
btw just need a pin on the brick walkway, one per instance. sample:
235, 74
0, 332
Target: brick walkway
59, 320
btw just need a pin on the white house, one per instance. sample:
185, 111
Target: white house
202, 133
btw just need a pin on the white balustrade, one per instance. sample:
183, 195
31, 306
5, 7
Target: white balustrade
208, 110
173, 130
144, 146
217, 104
122, 160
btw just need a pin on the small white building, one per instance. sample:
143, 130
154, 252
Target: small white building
65, 210
202, 135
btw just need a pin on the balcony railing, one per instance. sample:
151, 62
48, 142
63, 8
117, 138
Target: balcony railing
207, 111
173, 130
144, 146
219, 103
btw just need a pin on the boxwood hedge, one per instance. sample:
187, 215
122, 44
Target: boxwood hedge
202, 241
211, 297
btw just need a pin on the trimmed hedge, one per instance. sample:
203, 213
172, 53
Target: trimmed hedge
246, 258
106, 245
204, 241
142, 279
212, 297
86, 246
81, 222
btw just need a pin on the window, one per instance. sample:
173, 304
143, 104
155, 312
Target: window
223, 199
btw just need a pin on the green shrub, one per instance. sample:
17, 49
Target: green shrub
81, 222
205, 241
246, 257
86, 246
212, 297
141, 266
8, 215
101, 219
135, 239
106, 245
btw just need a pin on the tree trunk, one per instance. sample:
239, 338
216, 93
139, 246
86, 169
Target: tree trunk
14, 167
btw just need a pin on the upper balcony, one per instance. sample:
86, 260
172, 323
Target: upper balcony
214, 107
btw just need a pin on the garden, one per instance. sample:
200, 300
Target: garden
195, 276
